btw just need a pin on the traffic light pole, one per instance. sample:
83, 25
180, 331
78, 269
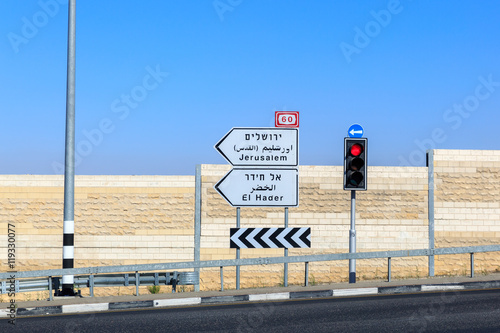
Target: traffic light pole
352, 239
355, 172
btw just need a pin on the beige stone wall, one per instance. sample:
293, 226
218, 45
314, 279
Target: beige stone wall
391, 215
119, 220
148, 219
467, 207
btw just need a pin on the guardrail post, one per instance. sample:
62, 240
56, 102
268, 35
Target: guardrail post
472, 264
221, 278
136, 283
91, 285
51, 298
389, 269
174, 281
307, 274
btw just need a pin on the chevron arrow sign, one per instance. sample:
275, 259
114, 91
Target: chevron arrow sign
264, 238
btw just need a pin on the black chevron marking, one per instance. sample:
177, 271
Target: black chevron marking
243, 238
275, 240
288, 237
259, 239
232, 244
304, 236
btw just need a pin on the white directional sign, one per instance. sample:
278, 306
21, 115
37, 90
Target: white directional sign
260, 187
260, 147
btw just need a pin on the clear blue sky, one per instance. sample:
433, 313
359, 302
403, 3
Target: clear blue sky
159, 82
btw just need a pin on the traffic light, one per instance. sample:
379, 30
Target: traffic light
355, 166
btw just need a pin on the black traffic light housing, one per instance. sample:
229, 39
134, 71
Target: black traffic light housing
355, 163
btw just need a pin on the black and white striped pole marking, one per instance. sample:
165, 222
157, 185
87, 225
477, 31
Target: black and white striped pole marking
265, 238
68, 256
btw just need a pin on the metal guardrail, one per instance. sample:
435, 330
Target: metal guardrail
136, 279
93, 272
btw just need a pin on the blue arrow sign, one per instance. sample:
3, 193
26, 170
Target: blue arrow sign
355, 131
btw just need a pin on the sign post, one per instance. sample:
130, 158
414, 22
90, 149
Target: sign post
286, 119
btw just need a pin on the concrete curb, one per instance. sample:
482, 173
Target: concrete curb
99, 307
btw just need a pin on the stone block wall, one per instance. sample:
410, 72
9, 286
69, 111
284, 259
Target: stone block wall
122, 220
467, 207
119, 220
391, 215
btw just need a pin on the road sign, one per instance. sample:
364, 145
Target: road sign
260, 187
355, 131
260, 147
286, 119
270, 238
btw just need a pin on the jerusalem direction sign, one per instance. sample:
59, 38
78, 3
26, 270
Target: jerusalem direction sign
260, 187
260, 147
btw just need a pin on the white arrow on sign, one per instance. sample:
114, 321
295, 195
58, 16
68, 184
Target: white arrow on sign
260, 187
352, 132
260, 147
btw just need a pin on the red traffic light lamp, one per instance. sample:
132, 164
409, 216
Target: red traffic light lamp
355, 156
356, 149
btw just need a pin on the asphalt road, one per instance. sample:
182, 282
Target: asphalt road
466, 311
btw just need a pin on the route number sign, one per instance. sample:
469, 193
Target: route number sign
286, 119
